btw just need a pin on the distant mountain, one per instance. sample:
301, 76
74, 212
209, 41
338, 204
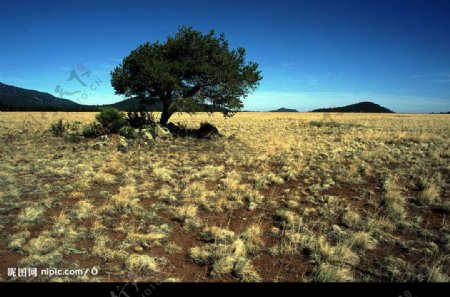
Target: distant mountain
448, 112
18, 99
15, 98
134, 104
282, 109
366, 106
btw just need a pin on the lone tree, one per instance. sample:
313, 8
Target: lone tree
186, 72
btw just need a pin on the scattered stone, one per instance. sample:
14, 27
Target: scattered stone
104, 138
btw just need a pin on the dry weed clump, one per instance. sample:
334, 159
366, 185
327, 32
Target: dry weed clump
229, 253
393, 199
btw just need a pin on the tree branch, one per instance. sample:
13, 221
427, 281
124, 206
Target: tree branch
193, 91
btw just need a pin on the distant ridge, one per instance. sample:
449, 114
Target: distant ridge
282, 109
19, 99
134, 104
15, 98
366, 106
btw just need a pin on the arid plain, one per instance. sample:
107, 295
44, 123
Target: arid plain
280, 197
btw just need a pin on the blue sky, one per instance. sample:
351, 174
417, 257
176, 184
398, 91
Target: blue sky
312, 53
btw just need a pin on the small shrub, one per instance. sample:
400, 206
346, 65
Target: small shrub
216, 234
393, 199
92, 130
72, 137
111, 119
17, 241
187, 214
83, 209
361, 241
42, 245
31, 214
246, 271
59, 127
145, 240
141, 120
288, 219
445, 206
70, 131
173, 248
151, 130
141, 263
223, 266
351, 218
207, 131
128, 132
429, 195
252, 239
326, 272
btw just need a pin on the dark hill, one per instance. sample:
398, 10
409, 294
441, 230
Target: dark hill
15, 98
18, 99
366, 106
282, 109
134, 104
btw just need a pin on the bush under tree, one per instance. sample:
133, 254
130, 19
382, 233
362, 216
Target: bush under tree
111, 119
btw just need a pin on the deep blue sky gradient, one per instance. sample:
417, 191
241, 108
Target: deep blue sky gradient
312, 53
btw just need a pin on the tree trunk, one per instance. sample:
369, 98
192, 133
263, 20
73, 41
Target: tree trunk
165, 116
166, 113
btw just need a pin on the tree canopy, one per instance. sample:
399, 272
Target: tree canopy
186, 72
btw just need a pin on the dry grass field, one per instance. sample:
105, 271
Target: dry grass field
295, 197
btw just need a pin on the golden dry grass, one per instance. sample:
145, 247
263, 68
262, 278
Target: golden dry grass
281, 197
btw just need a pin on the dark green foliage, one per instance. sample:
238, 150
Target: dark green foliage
187, 71
93, 130
111, 119
72, 137
59, 127
206, 131
152, 130
70, 131
140, 119
128, 132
